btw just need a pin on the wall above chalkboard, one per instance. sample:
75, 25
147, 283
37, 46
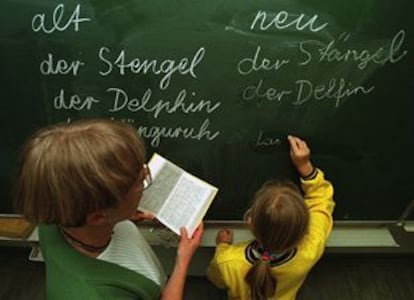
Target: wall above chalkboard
216, 86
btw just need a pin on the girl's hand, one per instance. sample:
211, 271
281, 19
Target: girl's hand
300, 156
224, 236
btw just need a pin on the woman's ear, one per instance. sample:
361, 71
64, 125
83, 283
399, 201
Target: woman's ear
97, 219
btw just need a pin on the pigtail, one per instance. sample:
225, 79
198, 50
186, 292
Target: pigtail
262, 284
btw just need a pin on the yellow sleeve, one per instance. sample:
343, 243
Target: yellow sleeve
213, 271
319, 199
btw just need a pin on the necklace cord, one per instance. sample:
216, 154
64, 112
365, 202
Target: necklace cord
71, 239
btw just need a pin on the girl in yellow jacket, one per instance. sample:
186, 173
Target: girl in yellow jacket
290, 234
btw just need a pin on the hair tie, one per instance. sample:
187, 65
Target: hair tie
257, 253
268, 257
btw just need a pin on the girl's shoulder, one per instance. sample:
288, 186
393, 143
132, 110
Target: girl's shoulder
226, 252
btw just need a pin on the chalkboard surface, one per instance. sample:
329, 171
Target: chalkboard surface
216, 86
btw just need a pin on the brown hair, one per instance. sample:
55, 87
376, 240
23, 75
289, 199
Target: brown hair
279, 220
69, 170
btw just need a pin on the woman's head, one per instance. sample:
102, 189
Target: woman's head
278, 216
70, 170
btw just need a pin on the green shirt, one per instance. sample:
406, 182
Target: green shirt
72, 275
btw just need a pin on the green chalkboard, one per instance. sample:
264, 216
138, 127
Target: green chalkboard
216, 86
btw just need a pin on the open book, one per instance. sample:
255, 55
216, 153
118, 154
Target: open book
175, 197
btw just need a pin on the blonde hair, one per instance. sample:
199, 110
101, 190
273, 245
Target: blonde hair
69, 170
278, 219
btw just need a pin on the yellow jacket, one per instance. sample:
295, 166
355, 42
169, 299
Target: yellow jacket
229, 266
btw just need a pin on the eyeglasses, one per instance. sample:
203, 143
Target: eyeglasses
147, 179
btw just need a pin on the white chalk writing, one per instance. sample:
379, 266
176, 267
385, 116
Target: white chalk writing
248, 65
74, 102
336, 89
292, 57
379, 55
155, 133
51, 66
282, 20
122, 101
167, 67
256, 91
58, 21
262, 140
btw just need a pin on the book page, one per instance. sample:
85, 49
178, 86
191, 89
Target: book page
164, 177
187, 204
176, 198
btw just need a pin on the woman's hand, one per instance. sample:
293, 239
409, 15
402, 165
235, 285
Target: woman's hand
174, 288
188, 246
140, 216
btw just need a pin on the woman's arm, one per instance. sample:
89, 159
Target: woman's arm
174, 289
